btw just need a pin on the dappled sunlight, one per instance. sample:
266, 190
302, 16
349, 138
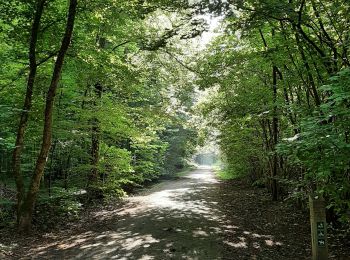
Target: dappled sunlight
166, 198
200, 233
169, 199
178, 219
94, 245
241, 244
270, 242
173, 196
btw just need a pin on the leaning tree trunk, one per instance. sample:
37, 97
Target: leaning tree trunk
16, 157
26, 211
313, 89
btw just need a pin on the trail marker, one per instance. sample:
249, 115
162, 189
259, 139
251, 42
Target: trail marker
318, 228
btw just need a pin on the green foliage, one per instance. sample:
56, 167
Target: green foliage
225, 174
181, 144
118, 100
323, 147
278, 77
7, 212
238, 105
63, 206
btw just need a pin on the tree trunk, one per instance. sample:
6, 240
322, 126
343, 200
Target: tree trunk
16, 157
275, 136
274, 132
95, 128
66, 171
95, 139
308, 70
26, 210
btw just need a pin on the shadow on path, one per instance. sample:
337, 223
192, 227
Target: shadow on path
195, 217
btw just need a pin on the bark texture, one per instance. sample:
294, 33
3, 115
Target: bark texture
27, 207
16, 157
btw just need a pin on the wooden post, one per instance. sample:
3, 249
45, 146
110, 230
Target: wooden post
318, 228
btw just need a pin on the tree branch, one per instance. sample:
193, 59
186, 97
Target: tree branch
180, 62
119, 45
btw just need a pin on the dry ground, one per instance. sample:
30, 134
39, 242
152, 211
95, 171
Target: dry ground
194, 217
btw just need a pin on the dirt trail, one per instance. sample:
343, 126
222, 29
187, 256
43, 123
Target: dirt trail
173, 219
194, 217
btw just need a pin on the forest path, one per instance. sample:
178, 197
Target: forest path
193, 217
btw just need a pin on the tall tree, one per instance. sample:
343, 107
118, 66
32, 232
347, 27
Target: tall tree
16, 161
25, 212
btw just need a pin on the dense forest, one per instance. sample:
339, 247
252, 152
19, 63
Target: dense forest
101, 98
279, 75
109, 119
